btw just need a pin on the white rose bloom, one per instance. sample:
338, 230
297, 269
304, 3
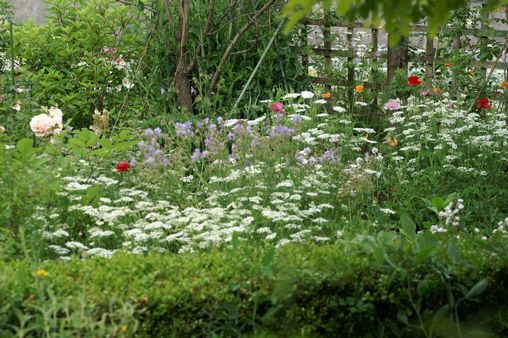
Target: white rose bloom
17, 106
42, 125
307, 95
56, 114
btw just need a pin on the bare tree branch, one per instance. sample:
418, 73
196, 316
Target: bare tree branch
233, 43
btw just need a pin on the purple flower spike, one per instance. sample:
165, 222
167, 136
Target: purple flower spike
196, 155
297, 119
149, 132
157, 131
281, 130
150, 161
184, 129
141, 145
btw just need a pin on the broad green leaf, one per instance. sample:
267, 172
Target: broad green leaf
408, 227
477, 289
25, 147
453, 252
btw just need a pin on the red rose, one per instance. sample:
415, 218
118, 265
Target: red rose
483, 103
277, 107
413, 80
123, 166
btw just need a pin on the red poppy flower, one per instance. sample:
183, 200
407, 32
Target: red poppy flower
413, 80
123, 166
277, 107
483, 103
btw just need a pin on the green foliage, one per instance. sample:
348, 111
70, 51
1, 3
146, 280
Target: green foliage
28, 179
292, 291
280, 68
82, 59
397, 15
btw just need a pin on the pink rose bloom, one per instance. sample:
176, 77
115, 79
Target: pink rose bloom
42, 125
392, 105
277, 107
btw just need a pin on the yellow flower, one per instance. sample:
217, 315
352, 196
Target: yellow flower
504, 85
41, 273
326, 95
311, 71
124, 328
436, 90
359, 88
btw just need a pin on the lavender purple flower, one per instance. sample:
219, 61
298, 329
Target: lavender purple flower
184, 129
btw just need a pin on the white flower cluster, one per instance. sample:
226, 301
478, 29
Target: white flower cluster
502, 227
450, 214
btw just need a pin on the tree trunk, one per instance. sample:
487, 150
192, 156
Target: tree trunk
398, 58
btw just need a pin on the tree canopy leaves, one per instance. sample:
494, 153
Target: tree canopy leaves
398, 15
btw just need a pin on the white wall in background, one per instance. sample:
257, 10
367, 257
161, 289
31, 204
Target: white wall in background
29, 9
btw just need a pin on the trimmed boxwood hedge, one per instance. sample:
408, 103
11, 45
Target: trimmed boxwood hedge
366, 287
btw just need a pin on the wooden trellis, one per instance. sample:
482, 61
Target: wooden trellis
396, 58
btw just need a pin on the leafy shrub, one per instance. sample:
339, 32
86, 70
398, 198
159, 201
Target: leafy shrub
366, 286
82, 59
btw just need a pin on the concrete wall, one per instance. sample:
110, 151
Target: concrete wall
29, 9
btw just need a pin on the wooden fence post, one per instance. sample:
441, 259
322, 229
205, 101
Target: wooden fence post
328, 55
305, 56
484, 27
398, 58
455, 45
374, 67
327, 41
429, 58
351, 66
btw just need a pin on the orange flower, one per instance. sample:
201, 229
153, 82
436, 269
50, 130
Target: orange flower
436, 90
359, 88
393, 142
326, 95
504, 85
447, 65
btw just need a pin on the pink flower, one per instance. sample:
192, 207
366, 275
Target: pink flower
277, 107
392, 105
42, 125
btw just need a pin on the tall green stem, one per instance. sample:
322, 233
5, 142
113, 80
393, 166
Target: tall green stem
12, 63
257, 66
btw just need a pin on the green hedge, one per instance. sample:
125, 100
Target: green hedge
366, 287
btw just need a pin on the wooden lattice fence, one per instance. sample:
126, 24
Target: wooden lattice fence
395, 58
